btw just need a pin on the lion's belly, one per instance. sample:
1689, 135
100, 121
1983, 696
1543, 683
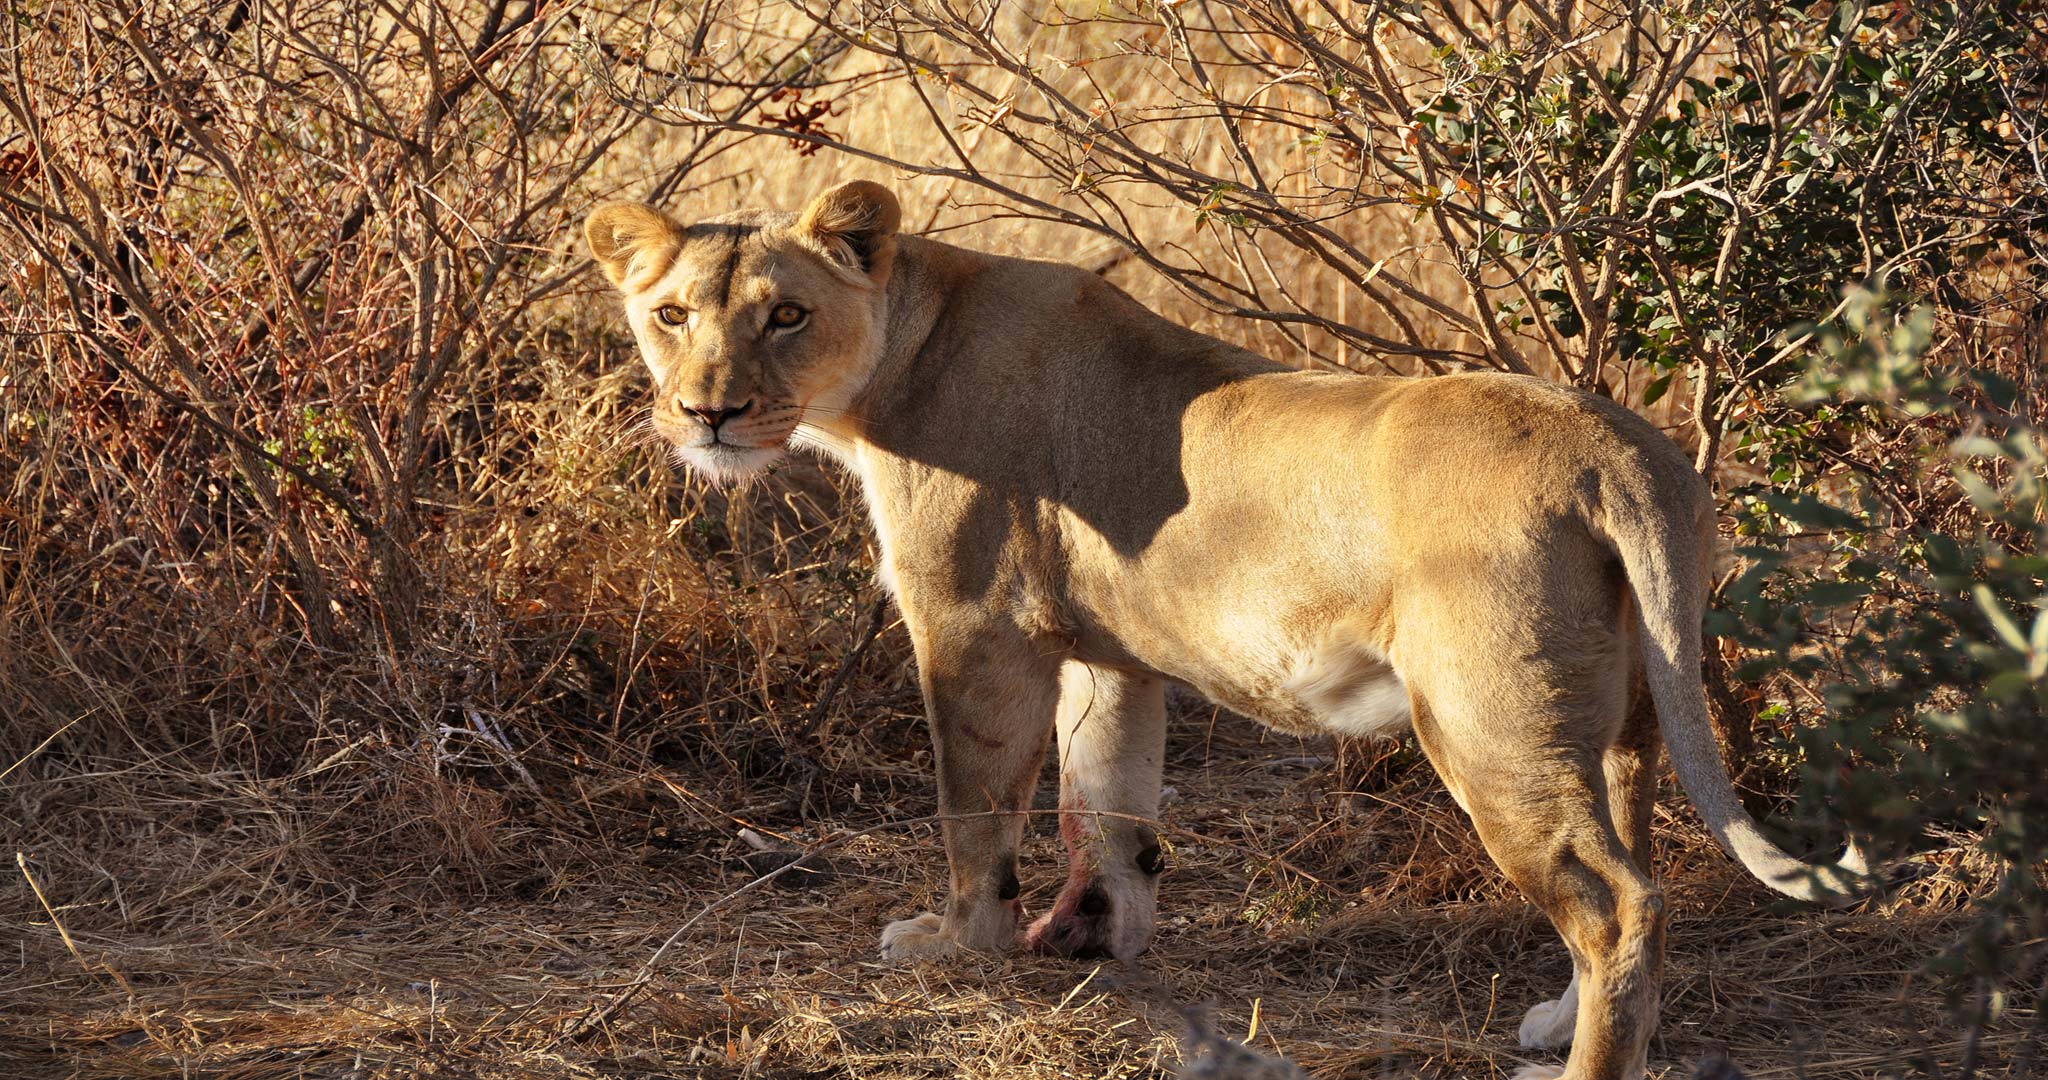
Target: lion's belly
1349, 688
1338, 685
1296, 646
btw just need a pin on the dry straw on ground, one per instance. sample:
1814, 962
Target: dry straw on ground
457, 930
377, 704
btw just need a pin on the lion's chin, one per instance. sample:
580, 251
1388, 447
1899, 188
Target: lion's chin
725, 464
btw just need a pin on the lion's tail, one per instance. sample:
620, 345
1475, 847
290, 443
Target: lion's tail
1663, 549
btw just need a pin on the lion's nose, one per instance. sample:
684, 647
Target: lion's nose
712, 416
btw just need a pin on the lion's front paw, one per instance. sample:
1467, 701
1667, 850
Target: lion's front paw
916, 939
1538, 1072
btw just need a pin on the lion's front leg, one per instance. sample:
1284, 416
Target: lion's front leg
990, 695
1112, 733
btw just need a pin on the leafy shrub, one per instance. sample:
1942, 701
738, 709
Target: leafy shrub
1928, 641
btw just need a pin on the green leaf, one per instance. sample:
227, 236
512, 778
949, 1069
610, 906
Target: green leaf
1847, 16
1836, 593
1751, 583
1808, 512
2007, 685
2001, 619
1755, 669
1977, 446
1980, 492
1657, 388
1945, 556
2037, 646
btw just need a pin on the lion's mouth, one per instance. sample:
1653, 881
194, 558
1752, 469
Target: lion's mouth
695, 438
721, 441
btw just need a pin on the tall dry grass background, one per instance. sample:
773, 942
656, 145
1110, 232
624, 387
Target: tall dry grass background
378, 702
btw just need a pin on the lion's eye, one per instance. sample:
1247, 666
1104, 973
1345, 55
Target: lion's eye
786, 315
671, 315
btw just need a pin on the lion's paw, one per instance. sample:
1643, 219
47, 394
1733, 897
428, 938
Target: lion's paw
1538, 1072
1549, 1026
916, 939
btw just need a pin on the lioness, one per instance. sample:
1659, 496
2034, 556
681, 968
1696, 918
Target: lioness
1077, 500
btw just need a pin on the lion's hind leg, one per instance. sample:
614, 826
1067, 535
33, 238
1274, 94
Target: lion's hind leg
1630, 767
1548, 1025
1543, 818
1519, 715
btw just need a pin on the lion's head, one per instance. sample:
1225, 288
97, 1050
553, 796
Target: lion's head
752, 323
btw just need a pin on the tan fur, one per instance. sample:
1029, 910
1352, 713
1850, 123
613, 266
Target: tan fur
1076, 500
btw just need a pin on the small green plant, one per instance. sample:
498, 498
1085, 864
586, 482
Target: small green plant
1294, 904
322, 443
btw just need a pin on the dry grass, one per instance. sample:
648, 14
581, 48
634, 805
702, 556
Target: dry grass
438, 836
374, 919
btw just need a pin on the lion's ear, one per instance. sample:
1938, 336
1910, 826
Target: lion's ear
857, 223
633, 242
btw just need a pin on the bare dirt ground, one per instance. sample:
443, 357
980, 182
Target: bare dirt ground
1340, 914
